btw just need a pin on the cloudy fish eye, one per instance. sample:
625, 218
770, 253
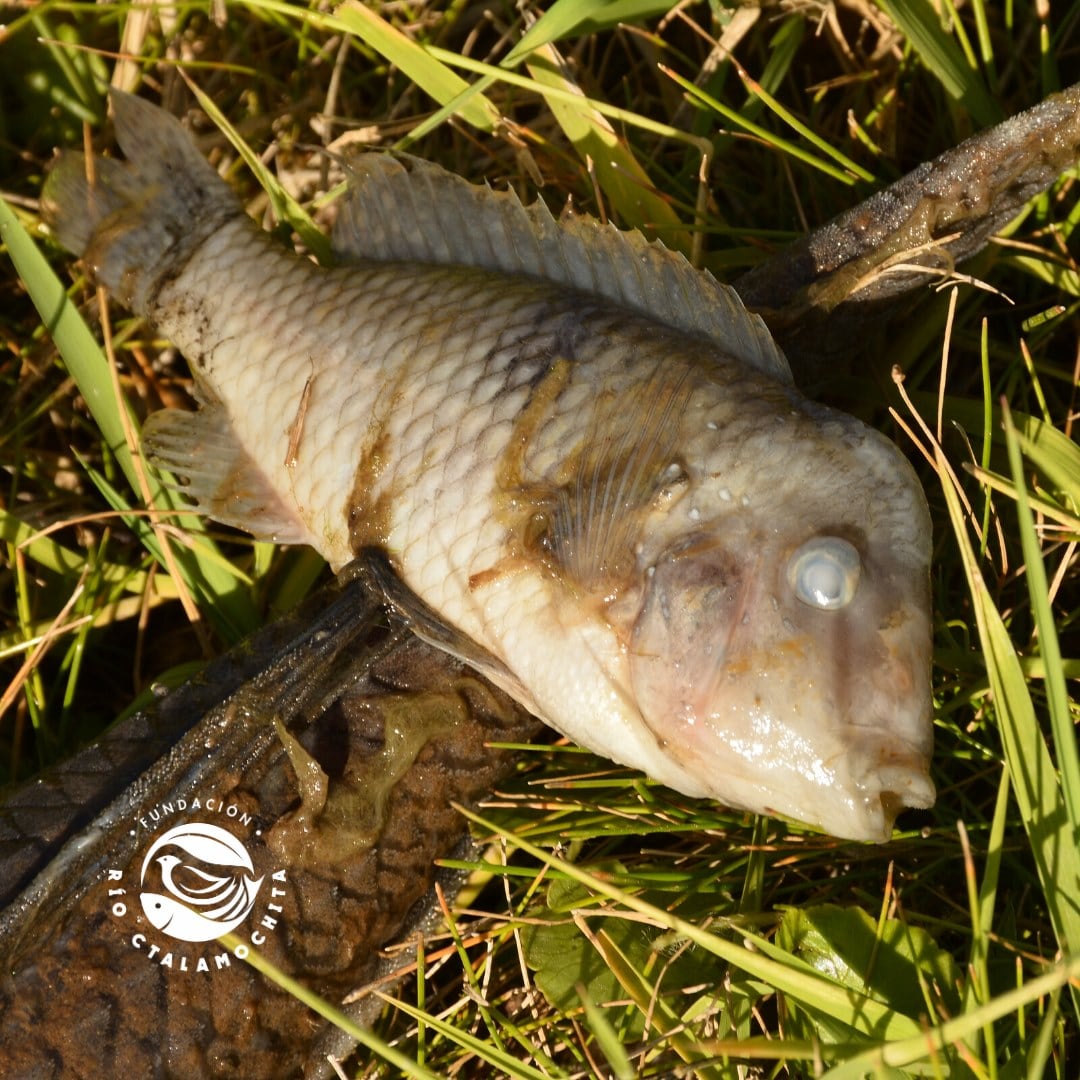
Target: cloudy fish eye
824, 572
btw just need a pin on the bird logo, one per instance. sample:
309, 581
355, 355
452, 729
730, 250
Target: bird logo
207, 882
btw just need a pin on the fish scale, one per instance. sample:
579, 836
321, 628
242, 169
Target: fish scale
581, 465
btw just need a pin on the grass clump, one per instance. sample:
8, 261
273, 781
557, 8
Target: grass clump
614, 928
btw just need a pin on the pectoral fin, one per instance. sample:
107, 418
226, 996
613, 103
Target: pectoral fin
586, 525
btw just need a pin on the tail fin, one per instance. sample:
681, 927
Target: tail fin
138, 221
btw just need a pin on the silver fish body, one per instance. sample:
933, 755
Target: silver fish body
586, 463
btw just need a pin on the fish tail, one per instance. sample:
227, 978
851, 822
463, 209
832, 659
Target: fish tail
137, 222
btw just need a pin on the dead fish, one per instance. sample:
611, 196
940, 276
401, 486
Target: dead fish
581, 465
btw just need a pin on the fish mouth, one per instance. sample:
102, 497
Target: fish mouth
895, 779
905, 789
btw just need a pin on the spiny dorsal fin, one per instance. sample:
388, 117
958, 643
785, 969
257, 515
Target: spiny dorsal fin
402, 208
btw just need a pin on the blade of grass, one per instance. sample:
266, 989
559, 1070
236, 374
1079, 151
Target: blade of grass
238, 947
758, 91
1035, 783
1064, 278
770, 138
1051, 451
909, 1052
197, 542
756, 956
12, 644
480, 1048
943, 57
417, 63
607, 1038
1049, 511
661, 1017
559, 21
79, 70
1057, 458
1061, 722
618, 172
50, 555
612, 112
285, 207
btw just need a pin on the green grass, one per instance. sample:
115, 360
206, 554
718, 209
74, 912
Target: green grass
613, 927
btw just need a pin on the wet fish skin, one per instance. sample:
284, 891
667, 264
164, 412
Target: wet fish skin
605, 499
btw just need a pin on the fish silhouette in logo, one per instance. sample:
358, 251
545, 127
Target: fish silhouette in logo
205, 892
172, 918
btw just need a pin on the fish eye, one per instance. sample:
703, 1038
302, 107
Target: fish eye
824, 572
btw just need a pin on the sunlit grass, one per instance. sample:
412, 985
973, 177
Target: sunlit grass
612, 927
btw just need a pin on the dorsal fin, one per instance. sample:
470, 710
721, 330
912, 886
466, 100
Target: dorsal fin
402, 208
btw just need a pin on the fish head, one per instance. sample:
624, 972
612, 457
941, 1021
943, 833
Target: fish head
781, 657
